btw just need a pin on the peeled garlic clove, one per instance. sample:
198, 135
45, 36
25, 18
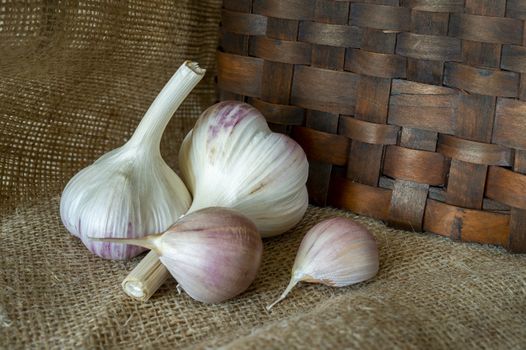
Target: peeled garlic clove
214, 253
232, 159
336, 252
131, 192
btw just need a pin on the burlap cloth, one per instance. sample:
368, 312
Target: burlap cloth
75, 79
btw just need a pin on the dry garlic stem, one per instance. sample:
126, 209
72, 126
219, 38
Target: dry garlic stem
232, 159
214, 253
336, 252
131, 192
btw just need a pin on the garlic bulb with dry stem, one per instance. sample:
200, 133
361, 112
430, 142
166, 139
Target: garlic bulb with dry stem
232, 159
214, 253
337, 252
131, 192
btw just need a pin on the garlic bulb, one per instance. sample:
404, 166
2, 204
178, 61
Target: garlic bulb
214, 253
131, 192
232, 159
337, 252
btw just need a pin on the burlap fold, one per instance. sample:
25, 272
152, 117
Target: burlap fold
75, 79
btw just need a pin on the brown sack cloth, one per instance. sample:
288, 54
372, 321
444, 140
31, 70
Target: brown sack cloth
75, 79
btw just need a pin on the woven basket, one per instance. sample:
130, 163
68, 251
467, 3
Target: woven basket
410, 111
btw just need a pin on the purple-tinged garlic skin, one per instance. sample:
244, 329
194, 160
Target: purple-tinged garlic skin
336, 252
213, 253
232, 159
131, 192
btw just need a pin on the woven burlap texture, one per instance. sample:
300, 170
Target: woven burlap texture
75, 79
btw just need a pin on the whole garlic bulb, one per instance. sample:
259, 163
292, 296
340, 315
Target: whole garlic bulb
232, 159
214, 253
131, 192
336, 252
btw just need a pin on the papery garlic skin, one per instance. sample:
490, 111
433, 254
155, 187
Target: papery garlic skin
122, 195
337, 252
232, 159
131, 191
213, 253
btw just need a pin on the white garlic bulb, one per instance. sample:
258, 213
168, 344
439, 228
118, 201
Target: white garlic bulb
131, 192
337, 252
214, 253
232, 159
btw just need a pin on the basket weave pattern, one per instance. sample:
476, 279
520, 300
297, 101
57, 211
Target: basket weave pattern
410, 111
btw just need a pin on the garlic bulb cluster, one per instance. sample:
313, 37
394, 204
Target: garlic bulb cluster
131, 192
337, 252
214, 253
232, 159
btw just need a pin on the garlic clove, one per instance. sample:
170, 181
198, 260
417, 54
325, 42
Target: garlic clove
232, 159
131, 192
336, 252
214, 253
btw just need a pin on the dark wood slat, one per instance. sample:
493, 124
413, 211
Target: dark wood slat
244, 23
408, 202
238, 5
328, 57
514, 58
234, 43
336, 12
465, 187
495, 8
329, 34
428, 47
486, 29
290, 9
510, 123
275, 50
324, 90
517, 241
434, 5
282, 29
516, 9
474, 152
380, 17
476, 117
425, 71
481, 81
316, 143
379, 134
419, 139
359, 198
375, 64
467, 224
364, 164
239, 74
506, 186
376, 40
481, 54
276, 82
429, 23
279, 114
415, 165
